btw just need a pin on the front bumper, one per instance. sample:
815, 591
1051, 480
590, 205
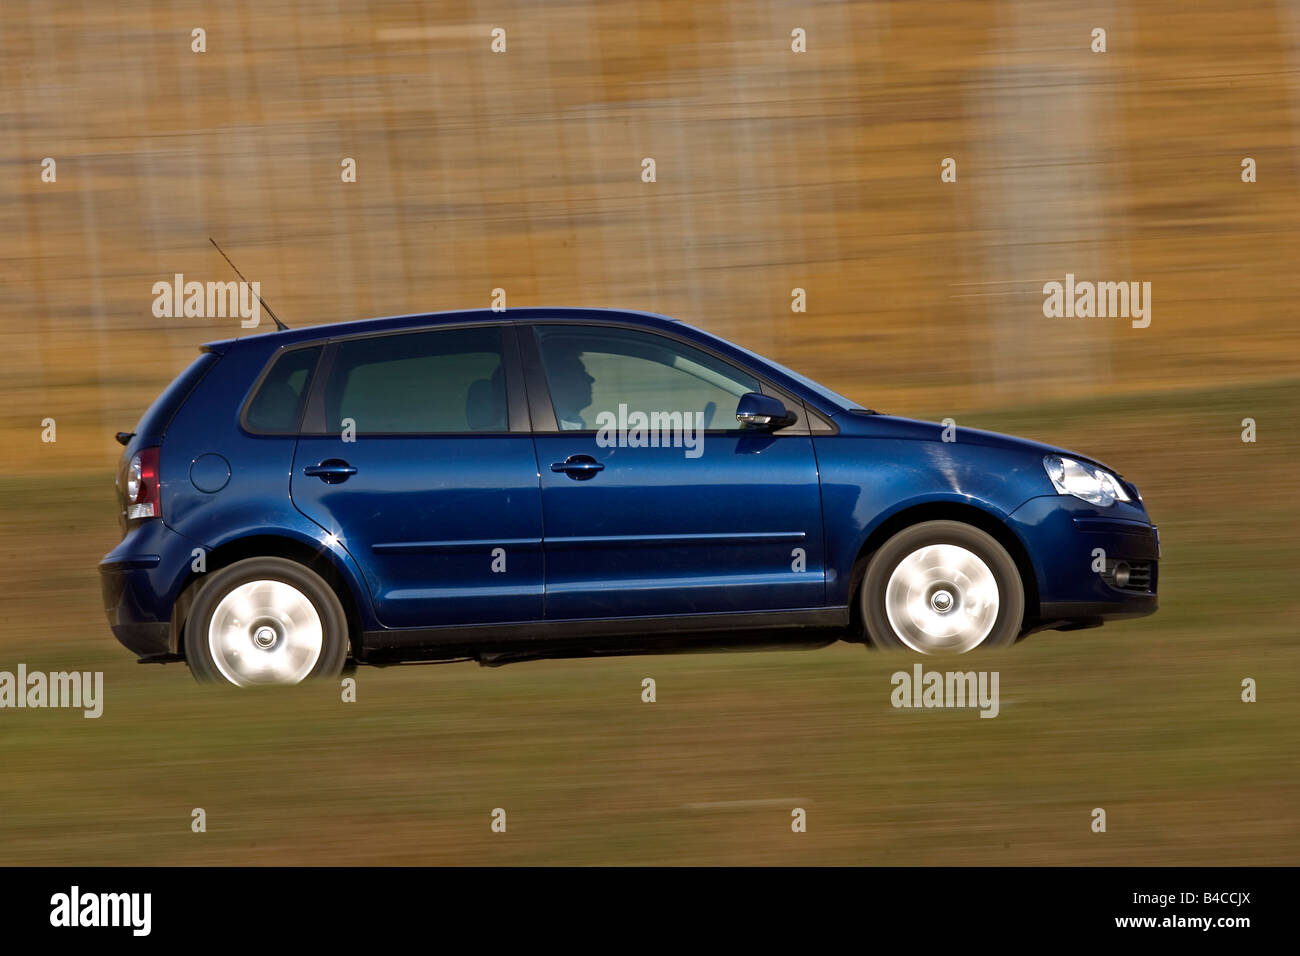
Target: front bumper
1091, 564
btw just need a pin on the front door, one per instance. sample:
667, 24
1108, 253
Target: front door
654, 500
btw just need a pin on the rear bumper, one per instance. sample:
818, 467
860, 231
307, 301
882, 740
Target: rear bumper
145, 640
139, 582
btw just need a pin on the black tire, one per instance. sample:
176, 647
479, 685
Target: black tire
1006, 624
333, 623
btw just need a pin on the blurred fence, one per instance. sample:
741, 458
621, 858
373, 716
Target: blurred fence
775, 170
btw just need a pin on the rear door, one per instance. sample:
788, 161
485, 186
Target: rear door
416, 453
646, 515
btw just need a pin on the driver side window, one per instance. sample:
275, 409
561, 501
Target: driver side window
592, 370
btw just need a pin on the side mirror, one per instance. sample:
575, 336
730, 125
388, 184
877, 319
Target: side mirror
763, 411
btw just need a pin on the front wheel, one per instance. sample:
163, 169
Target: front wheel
942, 587
265, 621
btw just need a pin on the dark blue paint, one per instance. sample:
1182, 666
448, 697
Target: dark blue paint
409, 524
210, 473
422, 517
659, 533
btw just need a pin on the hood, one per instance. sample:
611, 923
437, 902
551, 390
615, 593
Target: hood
892, 427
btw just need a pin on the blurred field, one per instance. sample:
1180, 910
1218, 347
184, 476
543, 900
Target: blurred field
1142, 718
775, 170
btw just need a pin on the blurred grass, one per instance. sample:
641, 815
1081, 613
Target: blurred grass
1148, 727
1142, 718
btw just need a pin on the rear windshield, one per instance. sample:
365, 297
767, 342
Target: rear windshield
160, 414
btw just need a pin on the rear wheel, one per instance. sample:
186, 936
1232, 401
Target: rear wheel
942, 587
265, 621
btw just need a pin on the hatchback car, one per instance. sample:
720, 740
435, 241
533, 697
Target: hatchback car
496, 486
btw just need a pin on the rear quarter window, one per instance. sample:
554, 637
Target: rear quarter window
276, 406
154, 422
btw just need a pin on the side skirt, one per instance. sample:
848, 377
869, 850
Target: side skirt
497, 643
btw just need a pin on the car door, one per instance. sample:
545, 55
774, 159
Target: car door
416, 453
647, 517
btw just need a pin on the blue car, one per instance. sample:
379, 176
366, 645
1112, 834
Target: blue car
498, 486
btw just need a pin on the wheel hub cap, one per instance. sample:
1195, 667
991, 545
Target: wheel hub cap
942, 598
265, 632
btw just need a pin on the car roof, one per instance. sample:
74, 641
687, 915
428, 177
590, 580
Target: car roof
792, 381
396, 323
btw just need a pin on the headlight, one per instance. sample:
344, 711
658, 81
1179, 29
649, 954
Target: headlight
1094, 485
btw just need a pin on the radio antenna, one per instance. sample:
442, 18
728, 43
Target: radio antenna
274, 318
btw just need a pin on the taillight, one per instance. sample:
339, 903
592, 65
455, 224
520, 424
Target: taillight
143, 486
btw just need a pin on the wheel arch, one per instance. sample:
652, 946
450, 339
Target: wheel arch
963, 512
320, 560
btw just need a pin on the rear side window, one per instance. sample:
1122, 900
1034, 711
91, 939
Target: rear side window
154, 422
276, 408
445, 381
